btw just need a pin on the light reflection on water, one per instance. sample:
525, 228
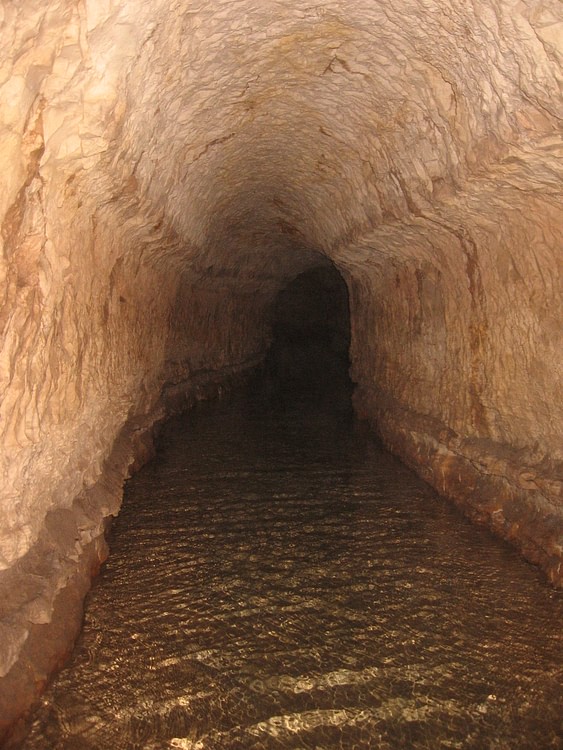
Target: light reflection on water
278, 581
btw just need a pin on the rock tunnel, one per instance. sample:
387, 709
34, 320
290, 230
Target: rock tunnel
169, 169
310, 326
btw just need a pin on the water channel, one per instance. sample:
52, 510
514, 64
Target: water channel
277, 580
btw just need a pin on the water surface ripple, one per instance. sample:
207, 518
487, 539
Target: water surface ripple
279, 581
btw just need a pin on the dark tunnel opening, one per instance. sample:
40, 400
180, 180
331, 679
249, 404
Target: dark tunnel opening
308, 359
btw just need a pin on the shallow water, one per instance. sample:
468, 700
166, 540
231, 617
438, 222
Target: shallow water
279, 581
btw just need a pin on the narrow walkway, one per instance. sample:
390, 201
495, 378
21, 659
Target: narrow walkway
278, 581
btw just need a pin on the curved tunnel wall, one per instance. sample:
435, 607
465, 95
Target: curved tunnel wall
168, 168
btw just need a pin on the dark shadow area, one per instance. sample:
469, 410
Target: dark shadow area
308, 360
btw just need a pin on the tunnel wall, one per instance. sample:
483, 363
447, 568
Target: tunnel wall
90, 372
104, 333
460, 372
103, 330
99, 345
216, 331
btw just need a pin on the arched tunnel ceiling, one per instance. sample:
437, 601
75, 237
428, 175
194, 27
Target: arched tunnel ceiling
263, 133
273, 124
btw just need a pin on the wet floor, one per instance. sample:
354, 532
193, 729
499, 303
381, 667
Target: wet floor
279, 581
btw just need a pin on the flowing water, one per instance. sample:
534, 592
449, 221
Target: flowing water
277, 580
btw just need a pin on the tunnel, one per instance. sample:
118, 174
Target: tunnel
192, 191
308, 358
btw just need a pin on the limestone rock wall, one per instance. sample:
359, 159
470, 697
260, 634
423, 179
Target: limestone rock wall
169, 166
458, 339
216, 330
92, 298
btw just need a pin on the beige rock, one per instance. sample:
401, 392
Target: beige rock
167, 167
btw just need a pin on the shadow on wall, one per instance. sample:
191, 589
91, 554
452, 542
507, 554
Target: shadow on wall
308, 359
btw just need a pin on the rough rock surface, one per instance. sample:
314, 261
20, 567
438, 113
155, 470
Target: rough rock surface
168, 167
